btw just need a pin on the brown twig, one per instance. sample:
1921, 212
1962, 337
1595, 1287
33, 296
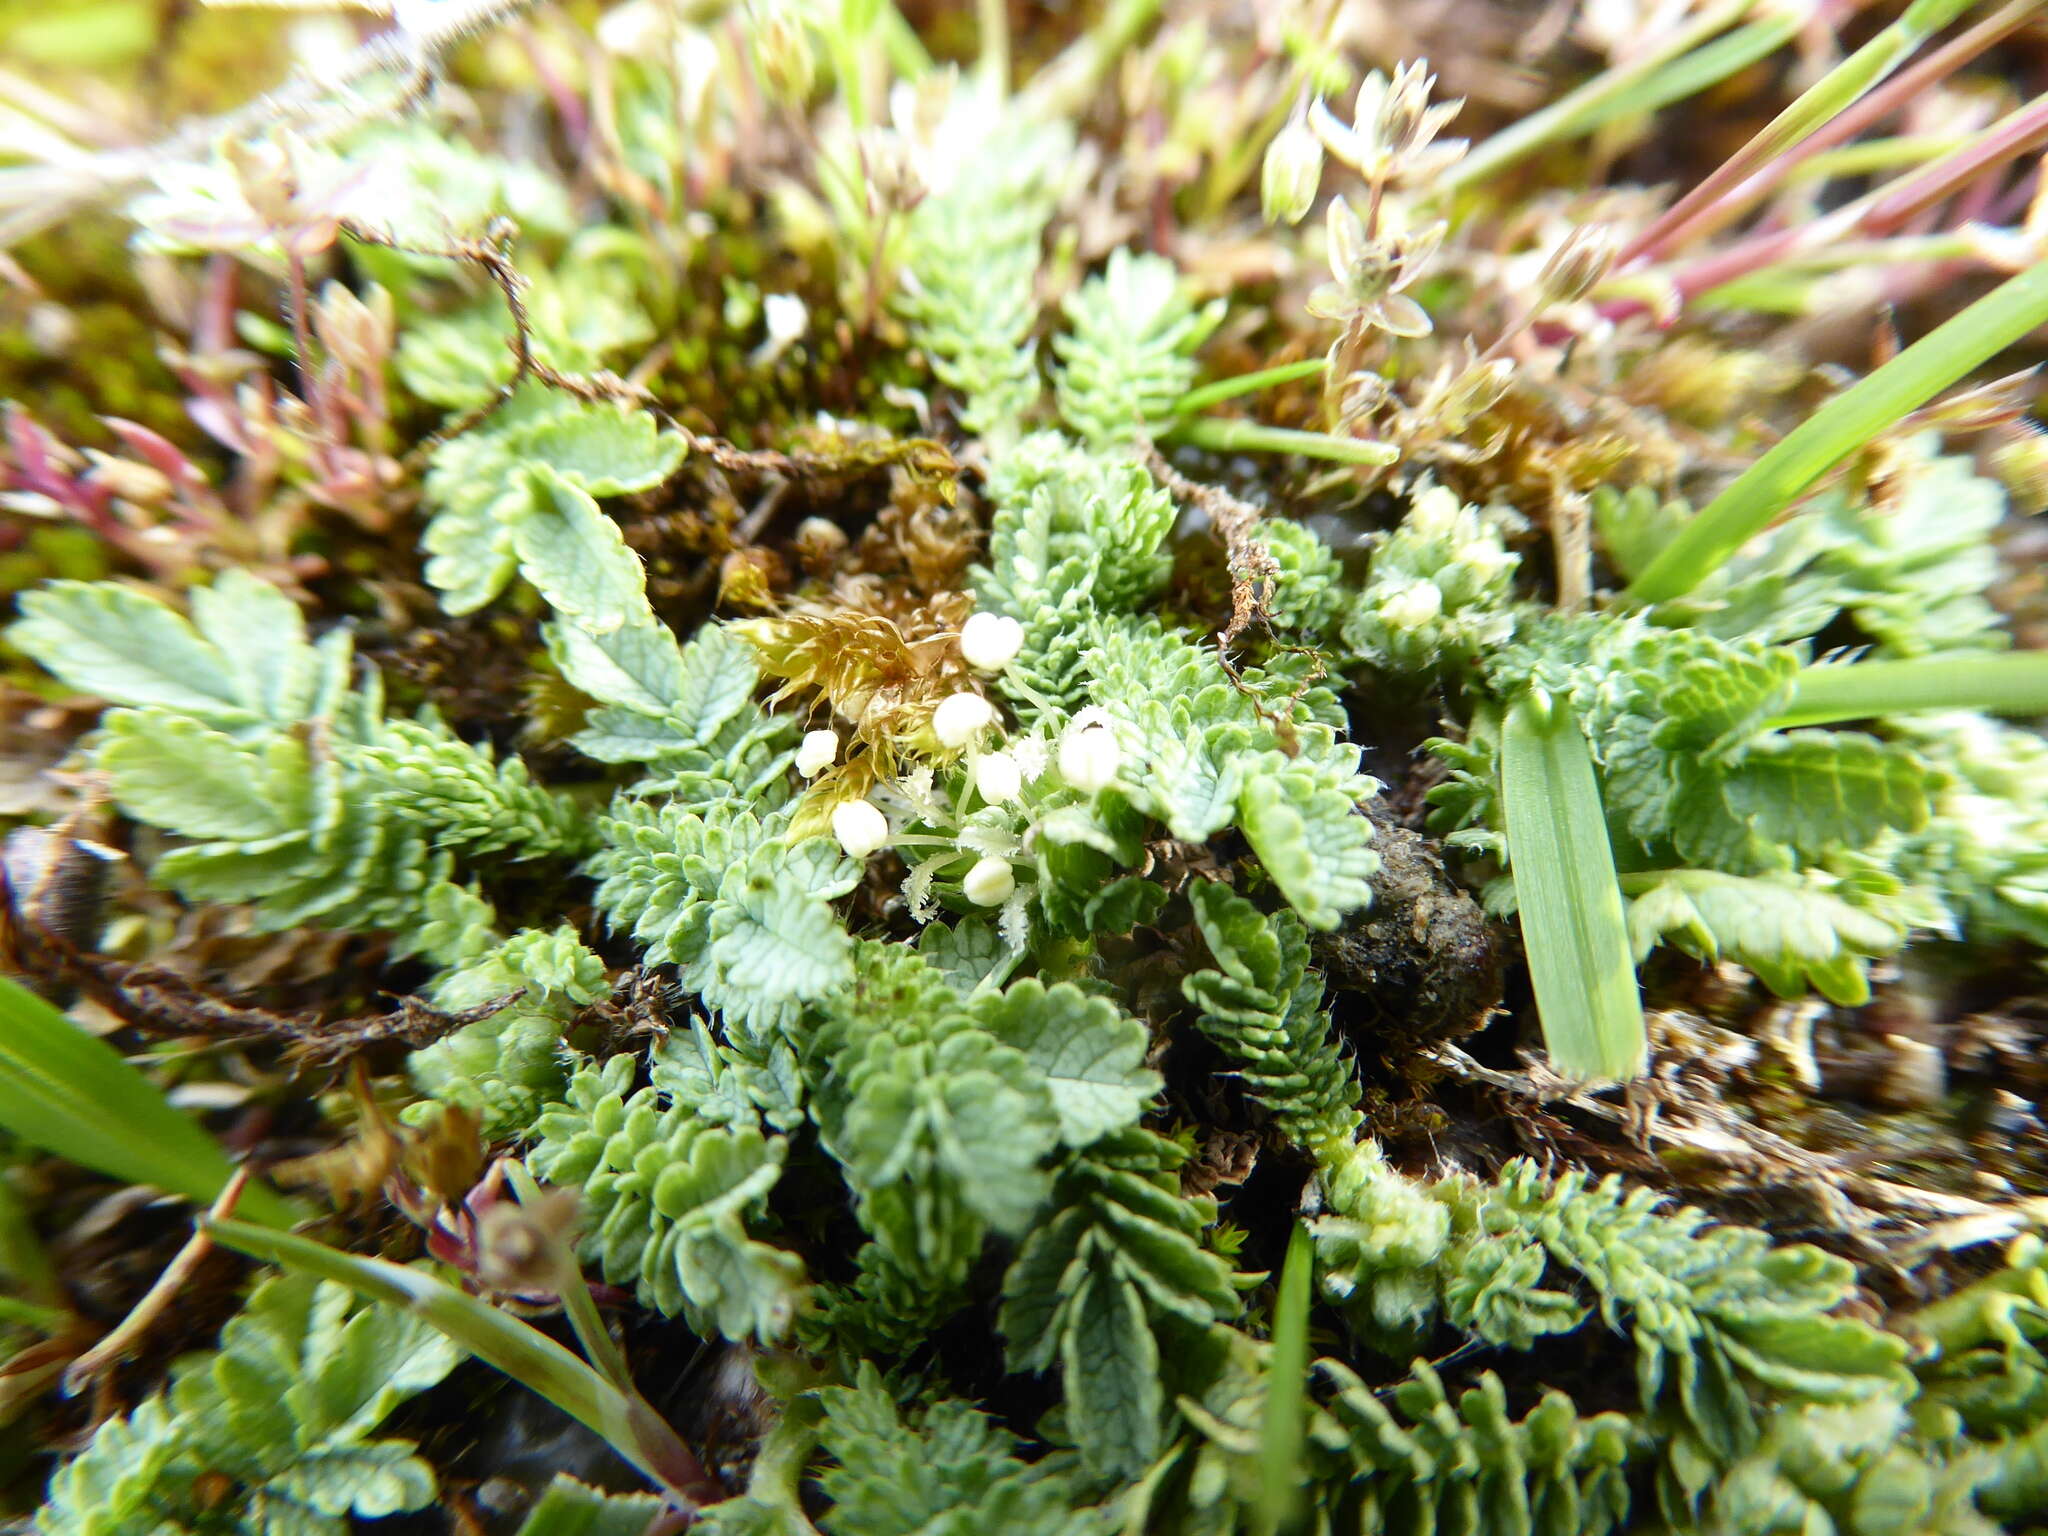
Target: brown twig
1253, 571
160, 1001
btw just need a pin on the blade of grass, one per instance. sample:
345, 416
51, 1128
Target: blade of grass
1231, 435
1280, 1435
500, 1340
1997, 682
1826, 99
1839, 428
1248, 383
1573, 926
1576, 111
1700, 70
70, 1093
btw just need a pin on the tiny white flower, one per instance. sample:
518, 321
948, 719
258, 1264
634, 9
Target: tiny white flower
990, 882
997, 778
991, 641
961, 717
820, 750
1413, 606
1089, 755
860, 828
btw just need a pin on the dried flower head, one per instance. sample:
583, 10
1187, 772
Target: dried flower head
1392, 136
1580, 260
1369, 274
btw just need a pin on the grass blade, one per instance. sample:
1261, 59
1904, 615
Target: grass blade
1997, 682
498, 1339
1577, 111
1573, 926
1839, 428
1826, 99
1280, 1436
1229, 434
1248, 383
70, 1093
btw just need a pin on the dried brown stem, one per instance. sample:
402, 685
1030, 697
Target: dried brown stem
111, 1350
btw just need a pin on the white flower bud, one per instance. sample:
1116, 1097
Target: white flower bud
961, 717
991, 641
1293, 169
1412, 606
997, 777
990, 883
1089, 756
820, 750
860, 828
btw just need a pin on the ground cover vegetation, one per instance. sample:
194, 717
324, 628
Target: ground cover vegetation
840, 767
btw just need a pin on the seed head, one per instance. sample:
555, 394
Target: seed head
990, 883
820, 750
1292, 172
860, 828
961, 717
989, 642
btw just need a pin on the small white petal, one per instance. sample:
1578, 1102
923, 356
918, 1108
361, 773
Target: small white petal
989, 883
961, 717
820, 750
860, 828
991, 641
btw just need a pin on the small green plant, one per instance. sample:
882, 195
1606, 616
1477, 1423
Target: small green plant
917, 685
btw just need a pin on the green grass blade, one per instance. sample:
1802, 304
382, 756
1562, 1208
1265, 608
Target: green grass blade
1700, 70
497, 1338
1819, 104
1280, 1436
1997, 682
1577, 111
1248, 383
70, 1093
1839, 428
1228, 434
1573, 926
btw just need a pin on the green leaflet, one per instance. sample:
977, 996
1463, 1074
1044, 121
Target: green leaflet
903, 1475
285, 1410
1794, 931
1722, 1321
939, 1127
516, 495
1127, 358
569, 1508
1091, 1286
667, 1194
970, 272
1091, 1053
745, 917
504, 1067
243, 660
1200, 756
1419, 1448
1264, 1006
943, 1110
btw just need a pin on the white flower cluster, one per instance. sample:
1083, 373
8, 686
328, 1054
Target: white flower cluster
979, 838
